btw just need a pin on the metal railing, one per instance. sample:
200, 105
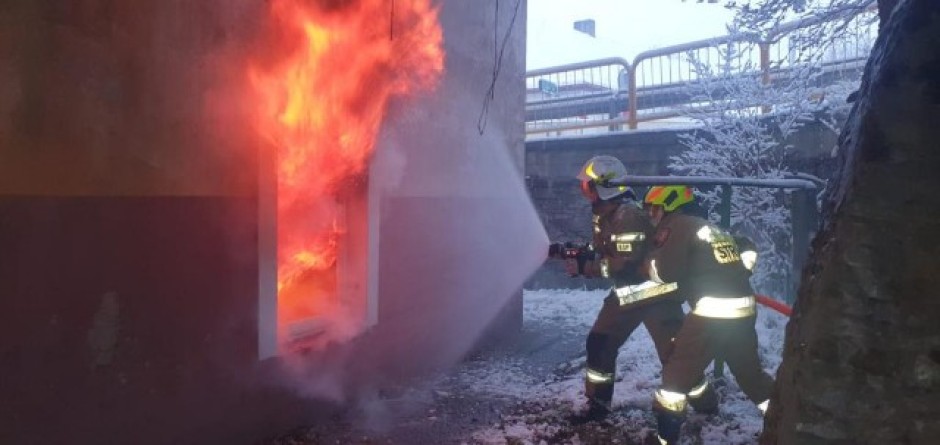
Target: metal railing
595, 91
613, 93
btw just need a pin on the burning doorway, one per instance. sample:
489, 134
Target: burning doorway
323, 83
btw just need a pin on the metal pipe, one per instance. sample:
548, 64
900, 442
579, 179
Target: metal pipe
579, 66
765, 71
578, 126
698, 44
631, 114
717, 181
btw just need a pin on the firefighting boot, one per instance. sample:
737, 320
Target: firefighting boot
597, 411
599, 389
668, 425
703, 398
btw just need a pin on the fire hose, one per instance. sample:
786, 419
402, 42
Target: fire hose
776, 305
766, 301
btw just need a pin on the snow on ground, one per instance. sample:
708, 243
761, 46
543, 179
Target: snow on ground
544, 396
525, 390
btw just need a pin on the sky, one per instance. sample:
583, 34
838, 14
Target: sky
624, 28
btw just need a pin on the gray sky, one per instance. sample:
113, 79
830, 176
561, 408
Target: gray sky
624, 28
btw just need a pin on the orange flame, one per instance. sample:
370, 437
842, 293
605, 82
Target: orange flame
323, 104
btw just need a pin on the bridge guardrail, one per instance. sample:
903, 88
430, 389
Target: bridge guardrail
614, 93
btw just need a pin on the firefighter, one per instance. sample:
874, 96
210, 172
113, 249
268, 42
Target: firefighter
621, 230
705, 264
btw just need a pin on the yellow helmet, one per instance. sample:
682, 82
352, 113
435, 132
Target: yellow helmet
671, 197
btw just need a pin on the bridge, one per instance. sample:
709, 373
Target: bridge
659, 87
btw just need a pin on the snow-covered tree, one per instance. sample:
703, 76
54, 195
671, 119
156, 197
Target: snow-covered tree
743, 119
757, 15
737, 140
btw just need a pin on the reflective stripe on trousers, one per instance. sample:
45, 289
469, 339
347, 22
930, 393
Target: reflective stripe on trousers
715, 307
598, 377
699, 389
672, 401
676, 401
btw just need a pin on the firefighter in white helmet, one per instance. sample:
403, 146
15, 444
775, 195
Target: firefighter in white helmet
706, 264
621, 231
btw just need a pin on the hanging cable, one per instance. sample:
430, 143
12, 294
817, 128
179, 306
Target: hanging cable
499, 48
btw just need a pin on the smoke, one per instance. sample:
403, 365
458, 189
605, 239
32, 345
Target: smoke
458, 235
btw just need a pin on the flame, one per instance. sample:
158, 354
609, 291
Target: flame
322, 100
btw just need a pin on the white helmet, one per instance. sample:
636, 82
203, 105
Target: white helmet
603, 169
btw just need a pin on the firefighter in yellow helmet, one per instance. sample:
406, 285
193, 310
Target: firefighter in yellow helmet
705, 263
621, 230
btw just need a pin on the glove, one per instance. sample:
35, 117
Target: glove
591, 269
571, 267
580, 267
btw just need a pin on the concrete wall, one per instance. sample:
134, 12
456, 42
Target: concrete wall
129, 220
551, 165
446, 189
132, 320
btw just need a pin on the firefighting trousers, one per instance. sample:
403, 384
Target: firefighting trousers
613, 327
701, 340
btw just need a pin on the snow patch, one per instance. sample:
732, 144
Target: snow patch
544, 402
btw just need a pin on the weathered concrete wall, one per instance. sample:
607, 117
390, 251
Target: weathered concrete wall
133, 320
128, 219
111, 98
452, 202
551, 165
861, 360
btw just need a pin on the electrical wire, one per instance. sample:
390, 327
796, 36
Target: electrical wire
499, 48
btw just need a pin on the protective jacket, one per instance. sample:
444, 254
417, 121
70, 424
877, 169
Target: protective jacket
702, 259
621, 240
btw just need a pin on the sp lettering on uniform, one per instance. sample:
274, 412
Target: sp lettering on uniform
661, 236
725, 251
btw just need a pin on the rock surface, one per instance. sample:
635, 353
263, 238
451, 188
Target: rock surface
862, 356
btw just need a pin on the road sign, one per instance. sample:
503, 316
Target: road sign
548, 87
